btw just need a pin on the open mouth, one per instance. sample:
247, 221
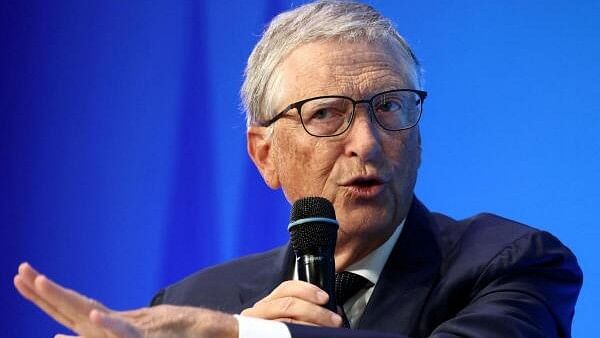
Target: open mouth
366, 182
365, 187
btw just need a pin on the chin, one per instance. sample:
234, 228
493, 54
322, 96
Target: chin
366, 222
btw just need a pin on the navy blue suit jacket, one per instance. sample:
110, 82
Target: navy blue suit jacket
484, 276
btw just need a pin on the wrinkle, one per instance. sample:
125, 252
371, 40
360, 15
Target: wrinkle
310, 166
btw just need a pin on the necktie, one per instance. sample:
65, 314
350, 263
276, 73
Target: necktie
347, 284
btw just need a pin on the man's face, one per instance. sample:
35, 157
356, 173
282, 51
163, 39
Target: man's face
368, 173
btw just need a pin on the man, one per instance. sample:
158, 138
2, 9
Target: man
333, 96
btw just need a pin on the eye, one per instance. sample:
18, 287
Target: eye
322, 114
388, 106
325, 112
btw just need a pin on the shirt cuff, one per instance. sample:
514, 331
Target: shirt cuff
250, 327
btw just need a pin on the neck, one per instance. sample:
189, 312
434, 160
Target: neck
351, 249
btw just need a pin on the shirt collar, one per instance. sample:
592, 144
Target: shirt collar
371, 265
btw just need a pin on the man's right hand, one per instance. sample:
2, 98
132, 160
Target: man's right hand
88, 318
295, 302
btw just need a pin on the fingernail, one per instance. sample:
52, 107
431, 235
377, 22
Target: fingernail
322, 296
336, 319
22, 266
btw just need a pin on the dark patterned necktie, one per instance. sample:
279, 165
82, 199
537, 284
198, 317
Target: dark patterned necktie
347, 284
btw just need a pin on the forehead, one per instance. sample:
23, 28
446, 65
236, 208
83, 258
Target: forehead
355, 69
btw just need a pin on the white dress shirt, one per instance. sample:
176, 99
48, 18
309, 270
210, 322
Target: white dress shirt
369, 267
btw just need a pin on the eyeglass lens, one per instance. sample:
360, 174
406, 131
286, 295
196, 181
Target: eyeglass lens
328, 116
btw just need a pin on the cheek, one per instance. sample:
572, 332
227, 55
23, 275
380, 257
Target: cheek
405, 151
404, 157
304, 167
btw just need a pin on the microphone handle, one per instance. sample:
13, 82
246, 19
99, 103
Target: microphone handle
318, 268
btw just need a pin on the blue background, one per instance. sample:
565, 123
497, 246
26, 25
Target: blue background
122, 147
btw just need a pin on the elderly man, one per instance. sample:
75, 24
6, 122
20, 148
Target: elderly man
333, 95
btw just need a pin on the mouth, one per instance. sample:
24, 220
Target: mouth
365, 186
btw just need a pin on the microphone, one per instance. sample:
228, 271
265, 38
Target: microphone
313, 232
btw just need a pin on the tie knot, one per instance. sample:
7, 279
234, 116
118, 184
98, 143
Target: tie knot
347, 284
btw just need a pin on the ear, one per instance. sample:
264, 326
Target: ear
259, 141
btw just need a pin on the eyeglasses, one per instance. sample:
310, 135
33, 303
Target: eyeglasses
325, 116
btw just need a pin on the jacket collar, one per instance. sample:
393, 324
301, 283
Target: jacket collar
407, 278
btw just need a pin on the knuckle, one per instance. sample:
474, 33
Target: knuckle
294, 288
286, 304
286, 284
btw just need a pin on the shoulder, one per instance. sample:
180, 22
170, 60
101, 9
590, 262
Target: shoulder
484, 233
223, 283
491, 265
476, 239
486, 252
483, 237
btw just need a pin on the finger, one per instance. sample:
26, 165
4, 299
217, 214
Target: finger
30, 276
72, 304
114, 324
52, 293
30, 295
298, 289
295, 309
27, 273
293, 321
52, 298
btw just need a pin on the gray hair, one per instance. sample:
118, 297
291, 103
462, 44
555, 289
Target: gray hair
344, 21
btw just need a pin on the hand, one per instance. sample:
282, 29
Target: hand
89, 318
295, 302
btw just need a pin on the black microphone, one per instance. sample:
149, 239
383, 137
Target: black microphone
313, 231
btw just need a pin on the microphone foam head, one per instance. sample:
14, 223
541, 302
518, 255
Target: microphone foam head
312, 224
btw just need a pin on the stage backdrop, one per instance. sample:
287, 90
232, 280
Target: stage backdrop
123, 165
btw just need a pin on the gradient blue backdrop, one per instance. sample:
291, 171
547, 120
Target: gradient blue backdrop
123, 164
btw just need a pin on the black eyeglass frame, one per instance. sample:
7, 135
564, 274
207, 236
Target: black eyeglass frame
298, 106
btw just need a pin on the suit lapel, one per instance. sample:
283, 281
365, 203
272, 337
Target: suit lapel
268, 276
407, 277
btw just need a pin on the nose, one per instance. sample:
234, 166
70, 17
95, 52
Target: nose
363, 139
